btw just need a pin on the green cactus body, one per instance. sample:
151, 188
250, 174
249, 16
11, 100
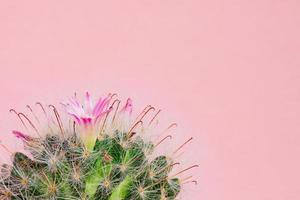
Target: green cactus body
110, 172
119, 165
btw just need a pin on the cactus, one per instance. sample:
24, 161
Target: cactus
102, 155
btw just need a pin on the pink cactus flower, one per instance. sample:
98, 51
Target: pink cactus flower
88, 113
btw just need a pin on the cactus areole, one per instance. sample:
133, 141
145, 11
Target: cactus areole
97, 152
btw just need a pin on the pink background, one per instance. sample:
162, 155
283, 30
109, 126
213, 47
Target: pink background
227, 71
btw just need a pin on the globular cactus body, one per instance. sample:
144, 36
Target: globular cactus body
109, 164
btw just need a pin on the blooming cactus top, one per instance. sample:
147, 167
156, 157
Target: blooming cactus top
76, 163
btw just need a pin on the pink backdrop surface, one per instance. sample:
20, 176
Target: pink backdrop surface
227, 71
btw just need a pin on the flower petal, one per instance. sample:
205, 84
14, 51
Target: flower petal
22, 136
